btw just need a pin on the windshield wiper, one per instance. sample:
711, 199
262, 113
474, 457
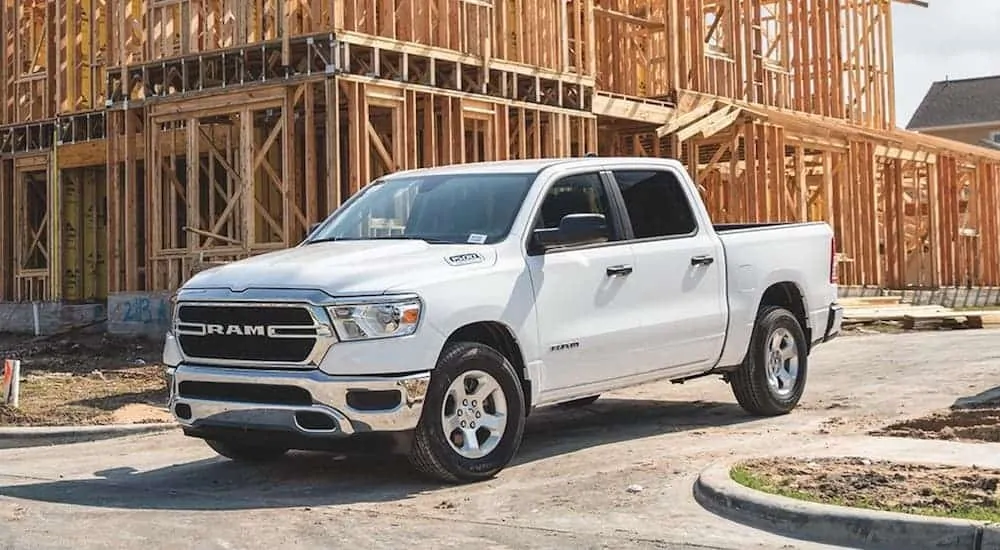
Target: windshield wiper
332, 239
430, 240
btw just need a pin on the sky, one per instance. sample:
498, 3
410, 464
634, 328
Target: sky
950, 39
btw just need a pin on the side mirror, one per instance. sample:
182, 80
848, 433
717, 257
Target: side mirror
574, 229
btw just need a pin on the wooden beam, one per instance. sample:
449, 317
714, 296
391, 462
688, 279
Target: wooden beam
682, 120
631, 109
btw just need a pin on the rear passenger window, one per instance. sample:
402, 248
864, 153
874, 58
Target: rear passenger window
656, 203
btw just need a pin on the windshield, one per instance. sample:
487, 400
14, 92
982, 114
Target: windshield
448, 208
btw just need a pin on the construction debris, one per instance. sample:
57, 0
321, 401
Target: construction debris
891, 311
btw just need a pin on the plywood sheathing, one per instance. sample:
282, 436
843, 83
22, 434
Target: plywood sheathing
781, 110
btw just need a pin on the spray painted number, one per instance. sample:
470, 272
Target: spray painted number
145, 310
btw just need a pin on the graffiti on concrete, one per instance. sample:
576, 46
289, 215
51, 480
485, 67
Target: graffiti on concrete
147, 309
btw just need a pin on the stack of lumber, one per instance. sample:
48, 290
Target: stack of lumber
891, 309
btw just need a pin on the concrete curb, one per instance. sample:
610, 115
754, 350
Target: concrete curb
11, 438
716, 491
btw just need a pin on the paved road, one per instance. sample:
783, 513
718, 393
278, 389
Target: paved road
567, 489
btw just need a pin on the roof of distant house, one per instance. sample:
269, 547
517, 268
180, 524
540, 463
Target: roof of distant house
959, 102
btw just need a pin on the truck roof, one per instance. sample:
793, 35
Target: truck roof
525, 166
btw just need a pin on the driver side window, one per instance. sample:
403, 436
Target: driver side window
576, 194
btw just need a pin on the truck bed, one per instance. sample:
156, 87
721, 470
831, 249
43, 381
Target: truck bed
759, 255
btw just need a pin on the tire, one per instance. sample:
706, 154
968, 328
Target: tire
436, 453
246, 452
581, 402
750, 383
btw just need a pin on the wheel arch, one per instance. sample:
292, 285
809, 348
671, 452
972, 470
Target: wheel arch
788, 295
502, 338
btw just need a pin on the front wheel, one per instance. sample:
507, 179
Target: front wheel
473, 415
772, 378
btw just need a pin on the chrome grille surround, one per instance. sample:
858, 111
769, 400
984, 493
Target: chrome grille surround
318, 327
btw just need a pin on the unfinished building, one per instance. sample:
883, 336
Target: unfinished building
144, 139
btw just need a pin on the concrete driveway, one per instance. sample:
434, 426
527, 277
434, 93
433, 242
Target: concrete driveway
568, 489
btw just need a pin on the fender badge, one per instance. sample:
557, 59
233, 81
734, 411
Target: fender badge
464, 259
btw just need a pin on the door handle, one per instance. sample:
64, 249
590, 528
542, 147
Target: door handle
702, 260
618, 270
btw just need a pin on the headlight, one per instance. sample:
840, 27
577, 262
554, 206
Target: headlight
376, 320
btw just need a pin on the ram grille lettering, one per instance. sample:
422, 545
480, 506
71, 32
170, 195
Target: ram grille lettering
237, 330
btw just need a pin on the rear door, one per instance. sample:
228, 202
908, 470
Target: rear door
586, 317
679, 272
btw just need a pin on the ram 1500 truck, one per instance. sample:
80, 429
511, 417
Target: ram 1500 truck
440, 306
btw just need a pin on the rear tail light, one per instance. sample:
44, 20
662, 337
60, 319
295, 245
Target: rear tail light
833, 260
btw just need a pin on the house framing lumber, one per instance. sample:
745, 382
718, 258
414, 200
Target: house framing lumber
143, 140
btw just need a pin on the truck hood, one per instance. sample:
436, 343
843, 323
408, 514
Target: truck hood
348, 267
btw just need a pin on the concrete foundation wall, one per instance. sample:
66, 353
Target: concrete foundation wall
44, 318
139, 313
126, 314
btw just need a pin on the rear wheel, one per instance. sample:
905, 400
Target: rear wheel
773, 376
473, 415
246, 452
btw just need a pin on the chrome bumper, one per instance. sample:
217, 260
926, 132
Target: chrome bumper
329, 395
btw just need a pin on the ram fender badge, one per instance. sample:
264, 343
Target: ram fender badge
564, 346
464, 259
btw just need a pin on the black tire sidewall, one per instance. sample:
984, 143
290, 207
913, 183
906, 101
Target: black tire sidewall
772, 320
456, 360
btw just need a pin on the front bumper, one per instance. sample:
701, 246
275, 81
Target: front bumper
303, 403
834, 320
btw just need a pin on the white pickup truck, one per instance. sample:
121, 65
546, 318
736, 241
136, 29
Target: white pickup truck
440, 306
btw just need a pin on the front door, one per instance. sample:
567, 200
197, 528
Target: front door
586, 327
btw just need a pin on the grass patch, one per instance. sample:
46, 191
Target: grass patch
927, 490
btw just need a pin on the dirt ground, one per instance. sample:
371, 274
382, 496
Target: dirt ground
932, 490
85, 378
973, 419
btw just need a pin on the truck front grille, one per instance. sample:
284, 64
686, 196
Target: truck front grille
227, 332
